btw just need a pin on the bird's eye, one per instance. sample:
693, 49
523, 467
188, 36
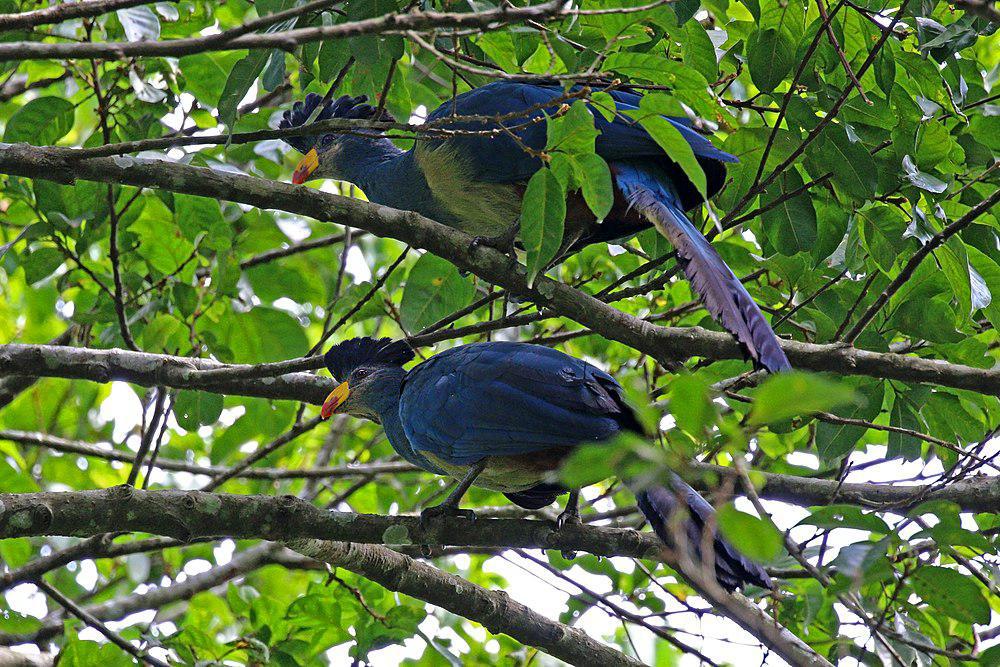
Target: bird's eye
361, 373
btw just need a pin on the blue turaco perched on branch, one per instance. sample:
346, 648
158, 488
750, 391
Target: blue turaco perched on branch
475, 182
504, 416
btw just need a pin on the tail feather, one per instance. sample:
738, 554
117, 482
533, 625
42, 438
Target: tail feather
660, 505
651, 194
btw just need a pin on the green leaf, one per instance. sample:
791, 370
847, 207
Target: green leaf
989, 270
770, 56
691, 404
753, 536
42, 121
952, 593
836, 440
590, 463
901, 445
598, 191
790, 225
656, 69
786, 395
41, 263
434, 289
260, 335
846, 516
573, 132
205, 74
543, 214
672, 142
955, 264
699, 52
196, 408
854, 170
882, 228
199, 215
242, 76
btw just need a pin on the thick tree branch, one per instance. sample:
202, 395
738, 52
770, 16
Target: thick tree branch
977, 494
149, 370
663, 343
64, 11
157, 597
494, 610
287, 39
187, 515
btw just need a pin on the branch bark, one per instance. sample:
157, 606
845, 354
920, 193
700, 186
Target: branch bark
64, 11
495, 610
188, 515
286, 39
663, 343
976, 494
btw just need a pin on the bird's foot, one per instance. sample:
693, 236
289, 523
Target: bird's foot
568, 516
428, 514
502, 242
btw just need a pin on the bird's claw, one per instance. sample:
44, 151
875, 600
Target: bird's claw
502, 242
568, 517
430, 513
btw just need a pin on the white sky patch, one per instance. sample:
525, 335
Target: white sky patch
357, 265
123, 407
419, 115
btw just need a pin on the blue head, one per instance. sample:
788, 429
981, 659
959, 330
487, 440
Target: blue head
327, 154
371, 374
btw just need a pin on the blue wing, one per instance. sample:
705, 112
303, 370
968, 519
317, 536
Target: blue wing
501, 399
501, 159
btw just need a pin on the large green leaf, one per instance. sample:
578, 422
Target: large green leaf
791, 224
791, 394
952, 593
755, 537
197, 408
543, 214
42, 121
771, 54
434, 289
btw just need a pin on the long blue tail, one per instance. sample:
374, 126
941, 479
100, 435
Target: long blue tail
660, 504
649, 191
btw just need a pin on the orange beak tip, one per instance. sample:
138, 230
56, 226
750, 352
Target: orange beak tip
306, 167
334, 400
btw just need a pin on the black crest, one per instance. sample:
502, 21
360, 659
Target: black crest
343, 107
344, 357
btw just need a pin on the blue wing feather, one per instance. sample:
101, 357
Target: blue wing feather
501, 159
500, 399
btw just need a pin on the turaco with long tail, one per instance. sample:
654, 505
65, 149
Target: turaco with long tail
504, 416
475, 182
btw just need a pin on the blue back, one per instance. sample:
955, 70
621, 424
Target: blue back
499, 398
501, 159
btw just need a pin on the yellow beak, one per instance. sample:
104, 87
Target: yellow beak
306, 167
335, 400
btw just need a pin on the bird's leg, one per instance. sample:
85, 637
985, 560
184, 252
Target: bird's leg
570, 514
504, 242
450, 505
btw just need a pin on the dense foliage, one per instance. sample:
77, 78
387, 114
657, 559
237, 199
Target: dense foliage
860, 140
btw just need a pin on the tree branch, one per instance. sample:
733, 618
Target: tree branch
911, 265
662, 343
287, 39
495, 610
64, 11
977, 494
